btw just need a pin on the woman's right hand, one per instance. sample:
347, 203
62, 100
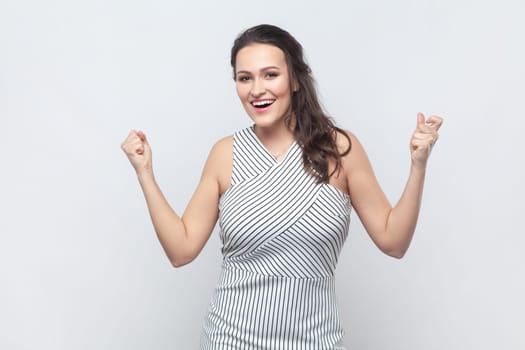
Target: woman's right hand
138, 151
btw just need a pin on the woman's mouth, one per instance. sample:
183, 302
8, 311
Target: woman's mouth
261, 105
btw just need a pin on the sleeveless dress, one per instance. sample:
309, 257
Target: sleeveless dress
282, 234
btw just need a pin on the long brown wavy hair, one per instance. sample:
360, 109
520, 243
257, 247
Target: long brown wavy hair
314, 131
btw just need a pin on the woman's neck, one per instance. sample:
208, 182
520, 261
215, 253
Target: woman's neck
277, 140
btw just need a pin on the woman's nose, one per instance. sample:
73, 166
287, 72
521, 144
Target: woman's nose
258, 87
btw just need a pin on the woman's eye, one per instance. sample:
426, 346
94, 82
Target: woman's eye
272, 75
243, 78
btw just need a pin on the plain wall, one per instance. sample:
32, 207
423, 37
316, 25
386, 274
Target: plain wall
80, 265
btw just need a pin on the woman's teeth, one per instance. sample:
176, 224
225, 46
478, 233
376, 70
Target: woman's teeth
262, 103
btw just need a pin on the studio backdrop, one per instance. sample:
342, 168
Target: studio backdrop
80, 265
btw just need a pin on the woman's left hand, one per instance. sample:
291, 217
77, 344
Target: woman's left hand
424, 138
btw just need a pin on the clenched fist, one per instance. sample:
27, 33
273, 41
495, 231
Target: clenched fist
424, 138
138, 151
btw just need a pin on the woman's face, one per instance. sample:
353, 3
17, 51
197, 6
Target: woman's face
263, 84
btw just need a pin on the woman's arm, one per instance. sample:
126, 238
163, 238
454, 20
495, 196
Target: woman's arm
391, 228
182, 238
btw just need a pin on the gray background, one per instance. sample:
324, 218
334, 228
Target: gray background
80, 267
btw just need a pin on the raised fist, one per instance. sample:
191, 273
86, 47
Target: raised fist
424, 137
137, 149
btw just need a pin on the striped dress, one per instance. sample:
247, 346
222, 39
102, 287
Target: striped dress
282, 233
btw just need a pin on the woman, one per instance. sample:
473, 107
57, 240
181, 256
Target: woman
281, 191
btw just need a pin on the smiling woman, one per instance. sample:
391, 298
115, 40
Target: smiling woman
279, 59
281, 192
263, 85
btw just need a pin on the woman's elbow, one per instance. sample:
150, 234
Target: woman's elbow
176, 263
397, 252
182, 259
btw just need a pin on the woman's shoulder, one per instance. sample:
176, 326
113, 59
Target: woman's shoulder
350, 148
223, 147
356, 157
225, 144
344, 139
224, 141
220, 162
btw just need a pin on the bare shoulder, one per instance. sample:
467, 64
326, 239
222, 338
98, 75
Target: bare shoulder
338, 177
343, 140
223, 147
356, 157
348, 144
220, 162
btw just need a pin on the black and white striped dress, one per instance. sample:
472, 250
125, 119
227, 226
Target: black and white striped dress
282, 234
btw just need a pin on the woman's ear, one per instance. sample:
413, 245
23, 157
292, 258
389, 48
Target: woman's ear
295, 86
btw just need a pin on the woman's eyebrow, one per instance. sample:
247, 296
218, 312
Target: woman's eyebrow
260, 70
